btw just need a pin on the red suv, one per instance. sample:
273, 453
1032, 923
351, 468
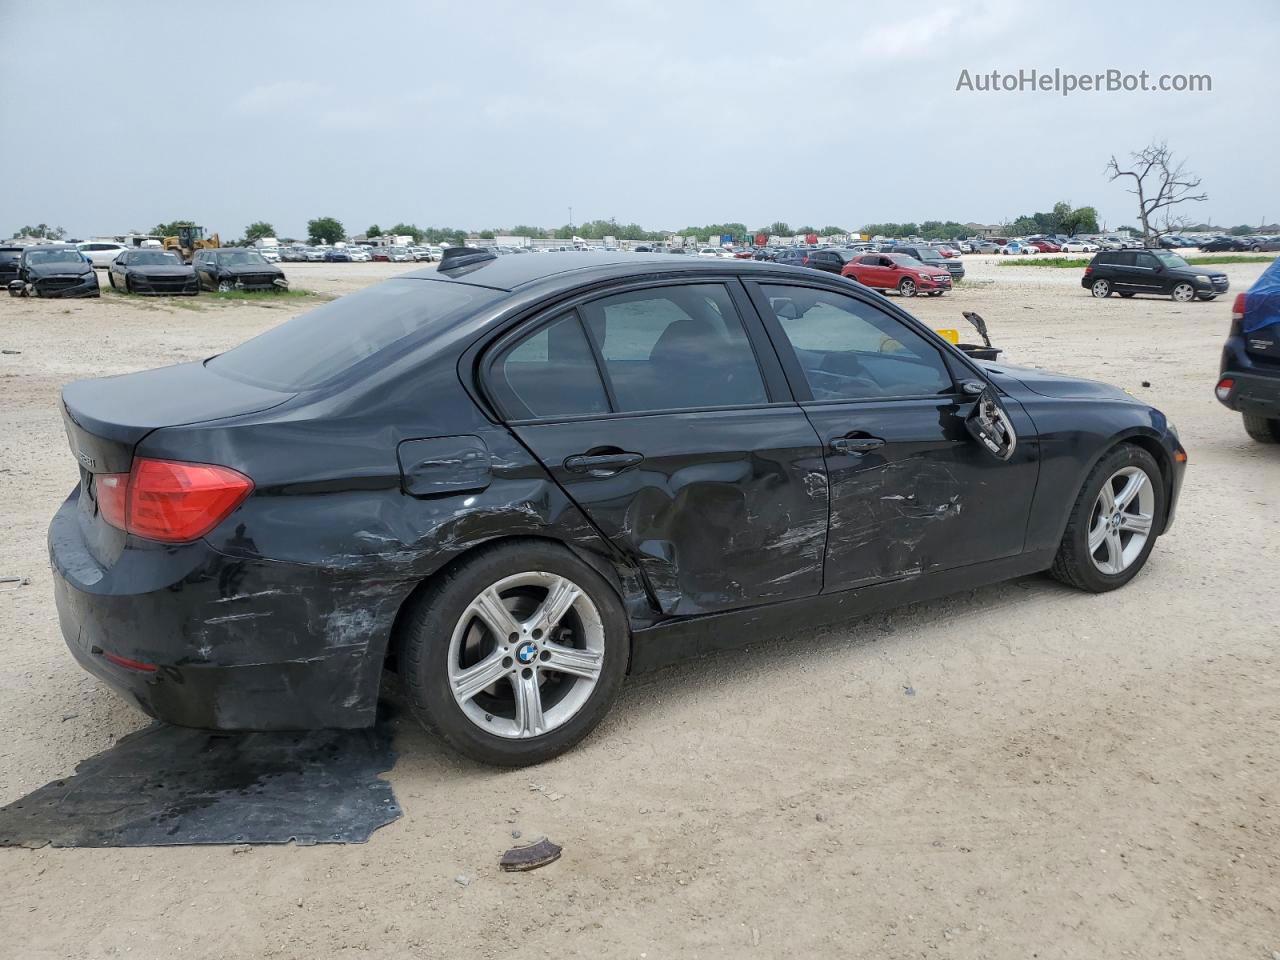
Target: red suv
897, 271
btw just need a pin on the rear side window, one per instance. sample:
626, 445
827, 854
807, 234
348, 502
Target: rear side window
321, 344
675, 347
550, 373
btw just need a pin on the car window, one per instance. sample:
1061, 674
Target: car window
1148, 261
850, 350
1124, 259
318, 345
550, 373
674, 347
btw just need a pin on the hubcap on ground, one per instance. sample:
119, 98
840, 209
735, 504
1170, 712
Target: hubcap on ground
1121, 520
526, 654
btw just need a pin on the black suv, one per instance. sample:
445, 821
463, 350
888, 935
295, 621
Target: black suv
9, 259
1249, 382
1127, 272
930, 255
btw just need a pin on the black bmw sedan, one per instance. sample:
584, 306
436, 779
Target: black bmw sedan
516, 479
152, 271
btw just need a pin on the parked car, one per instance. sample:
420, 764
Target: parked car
831, 260
1224, 244
1249, 374
231, 268
151, 271
718, 252
419, 254
269, 254
359, 254
397, 254
992, 245
793, 256
1044, 246
101, 253
898, 271
1079, 246
9, 258
313, 255
292, 255
1017, 248
556, 515
338, 255
1129, 272
931, 257
54, 270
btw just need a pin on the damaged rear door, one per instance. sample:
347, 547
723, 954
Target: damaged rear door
911, 490
661, 410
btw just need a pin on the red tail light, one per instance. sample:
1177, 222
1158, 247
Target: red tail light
1223, 389
1088, 270
169, 500
1237, 308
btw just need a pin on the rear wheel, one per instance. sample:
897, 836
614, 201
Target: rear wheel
1113, 522
516, 655
1183, 293
1262, 429
1101, 289
907, 287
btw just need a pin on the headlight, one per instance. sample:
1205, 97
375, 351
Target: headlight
1201, 278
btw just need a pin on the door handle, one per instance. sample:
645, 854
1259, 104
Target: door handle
856, 444
602, 464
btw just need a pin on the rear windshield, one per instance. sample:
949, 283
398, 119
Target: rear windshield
315, 347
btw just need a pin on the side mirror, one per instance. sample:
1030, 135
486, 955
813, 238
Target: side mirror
784, 308
989, 424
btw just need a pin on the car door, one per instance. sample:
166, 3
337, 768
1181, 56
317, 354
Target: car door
662, 412
116, 270
870, 270
1150, 275
911, 491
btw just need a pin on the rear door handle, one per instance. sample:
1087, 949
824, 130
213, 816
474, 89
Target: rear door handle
856, 444
602, 464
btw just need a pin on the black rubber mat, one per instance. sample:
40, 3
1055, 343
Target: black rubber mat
170, 785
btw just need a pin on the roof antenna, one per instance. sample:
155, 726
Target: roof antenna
455, 257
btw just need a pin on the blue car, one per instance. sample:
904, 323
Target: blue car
1249, 381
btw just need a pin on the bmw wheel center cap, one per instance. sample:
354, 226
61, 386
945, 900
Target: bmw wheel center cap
527, 653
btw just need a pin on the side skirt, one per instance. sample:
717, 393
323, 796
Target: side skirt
674, 640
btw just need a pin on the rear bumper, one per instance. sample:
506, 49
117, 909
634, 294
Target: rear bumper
232, 644
1257, 383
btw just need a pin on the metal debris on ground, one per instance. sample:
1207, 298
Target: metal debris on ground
530, 856
168, 785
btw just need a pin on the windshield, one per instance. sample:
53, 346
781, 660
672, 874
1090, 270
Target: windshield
1170, 259
154, 258
55, 256
308, 350
240, 256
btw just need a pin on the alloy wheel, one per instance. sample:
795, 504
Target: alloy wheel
1101, 288
1184, 293
1121, 522
526, 654
907, 288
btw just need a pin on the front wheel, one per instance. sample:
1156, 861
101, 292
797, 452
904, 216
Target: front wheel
1114, 522
225, 286
907, 287
1183, 293
1262, 429
1101, 289
515, 655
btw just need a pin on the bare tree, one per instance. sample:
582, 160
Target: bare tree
1160, 182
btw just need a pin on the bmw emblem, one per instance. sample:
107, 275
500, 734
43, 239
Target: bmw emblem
527, 653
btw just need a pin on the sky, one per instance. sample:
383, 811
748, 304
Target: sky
481, 115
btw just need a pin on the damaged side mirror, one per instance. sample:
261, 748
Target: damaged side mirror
989, 424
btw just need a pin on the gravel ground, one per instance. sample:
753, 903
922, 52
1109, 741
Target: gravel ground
1019, 771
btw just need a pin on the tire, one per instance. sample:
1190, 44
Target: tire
1126, 296
1183, 293
907, 287
443, 636
128, 284
1262, 429
225, 286
111, 279
1101, 289
1079, 566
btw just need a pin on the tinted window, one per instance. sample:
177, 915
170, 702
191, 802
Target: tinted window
316, 346
850, 350
675, 347
550, 373
1124, 259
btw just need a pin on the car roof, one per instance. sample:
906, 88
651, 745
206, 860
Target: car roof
510, 273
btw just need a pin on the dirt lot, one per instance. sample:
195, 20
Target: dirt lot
1021, 771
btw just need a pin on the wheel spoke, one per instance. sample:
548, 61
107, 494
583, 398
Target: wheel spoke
490, 608
1107, 497
1097, 535
476, 678
1136, 523
1115, 551
580, 663
561, 595
1133, 486
529, 719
